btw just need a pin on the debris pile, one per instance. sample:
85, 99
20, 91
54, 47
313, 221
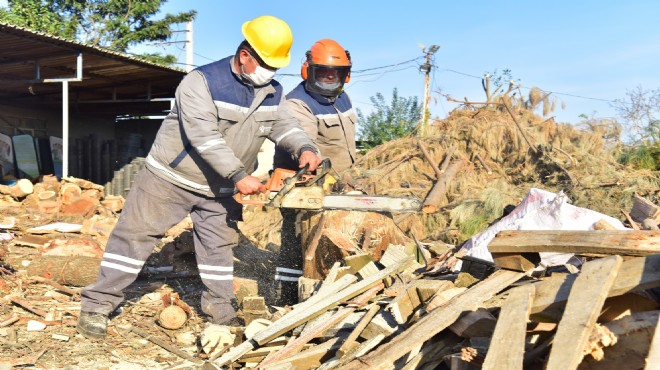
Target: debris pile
405, 291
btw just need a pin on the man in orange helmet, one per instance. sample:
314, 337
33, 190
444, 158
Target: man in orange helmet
204, 152
325, 112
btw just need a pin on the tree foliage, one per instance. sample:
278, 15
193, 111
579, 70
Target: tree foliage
398, 119
640, 113
113, 24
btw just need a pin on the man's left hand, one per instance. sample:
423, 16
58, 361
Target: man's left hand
309, 158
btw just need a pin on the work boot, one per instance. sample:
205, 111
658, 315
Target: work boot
93, 325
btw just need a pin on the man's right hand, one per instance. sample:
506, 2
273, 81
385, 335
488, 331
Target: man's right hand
250, 185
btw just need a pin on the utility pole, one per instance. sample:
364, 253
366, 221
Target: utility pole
426, 69
189, 46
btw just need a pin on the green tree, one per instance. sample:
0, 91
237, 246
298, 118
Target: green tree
640, 113
112, 24
398, 119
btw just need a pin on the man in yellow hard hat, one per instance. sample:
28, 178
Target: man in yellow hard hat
325, 112
204, 152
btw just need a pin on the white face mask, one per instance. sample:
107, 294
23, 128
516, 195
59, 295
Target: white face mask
259, 77
328, 87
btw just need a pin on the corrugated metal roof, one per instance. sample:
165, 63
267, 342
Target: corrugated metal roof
109, 77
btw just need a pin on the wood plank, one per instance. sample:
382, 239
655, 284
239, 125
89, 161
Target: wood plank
635, 274
643, 208
294, 346
516, 261
507, 346
315, 307
621, 242
435, 321
582, 309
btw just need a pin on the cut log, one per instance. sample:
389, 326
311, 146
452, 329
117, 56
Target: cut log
435, 197
172, 317
20, 189
70, 192
582, 309
337, 239
74, 271
621, 242
47, 195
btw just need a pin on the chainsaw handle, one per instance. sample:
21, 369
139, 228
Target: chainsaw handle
252, 202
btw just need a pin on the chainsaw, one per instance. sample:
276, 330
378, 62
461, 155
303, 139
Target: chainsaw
301, 190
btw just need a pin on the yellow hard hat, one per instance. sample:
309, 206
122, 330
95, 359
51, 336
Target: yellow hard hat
271, 38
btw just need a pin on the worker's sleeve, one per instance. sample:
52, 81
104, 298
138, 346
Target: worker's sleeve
287, 133
303, 114
198, 118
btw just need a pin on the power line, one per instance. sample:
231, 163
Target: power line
528, 88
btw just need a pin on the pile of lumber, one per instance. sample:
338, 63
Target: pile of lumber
394, 314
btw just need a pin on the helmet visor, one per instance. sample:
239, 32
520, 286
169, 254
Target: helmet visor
328, 80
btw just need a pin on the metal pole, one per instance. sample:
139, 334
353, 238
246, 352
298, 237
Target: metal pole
65, 128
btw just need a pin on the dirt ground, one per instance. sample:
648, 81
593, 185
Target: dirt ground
59, 346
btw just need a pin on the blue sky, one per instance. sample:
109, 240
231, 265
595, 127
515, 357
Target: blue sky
586, 52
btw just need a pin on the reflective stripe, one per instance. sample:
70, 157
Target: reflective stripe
290, 132
215, 268
112, 256
267, 108
176, 177
326, 116
210, 144
288, 270
116, 266
222, 104
216, 277
285, 278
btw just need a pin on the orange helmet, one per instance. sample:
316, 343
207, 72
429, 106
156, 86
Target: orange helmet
326, 68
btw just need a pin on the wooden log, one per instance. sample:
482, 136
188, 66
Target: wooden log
70, 192
582, 309
621, 242
447, 160
75, 271
47, 195
507, 346
431, 161
309, 262
434, 322
172, 317
20, 189
437, 193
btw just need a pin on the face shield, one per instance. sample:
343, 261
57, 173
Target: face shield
327, 80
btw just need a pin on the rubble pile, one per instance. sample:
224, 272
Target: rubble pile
533, 249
